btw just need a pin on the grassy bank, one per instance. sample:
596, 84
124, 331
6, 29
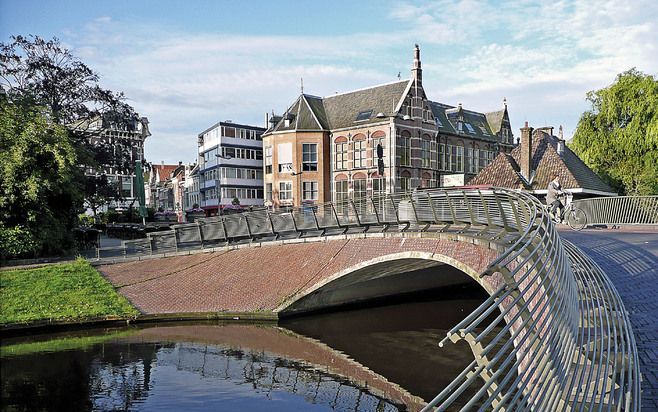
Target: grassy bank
64, 292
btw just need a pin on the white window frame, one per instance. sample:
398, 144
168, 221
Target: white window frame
285, 187
358, 153
310, 187
310, 157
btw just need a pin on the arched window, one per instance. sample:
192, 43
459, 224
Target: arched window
359, 151
340, 153
359, 186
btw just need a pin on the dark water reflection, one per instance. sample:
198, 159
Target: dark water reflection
372, 359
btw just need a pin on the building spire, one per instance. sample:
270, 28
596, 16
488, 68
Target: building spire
416, 71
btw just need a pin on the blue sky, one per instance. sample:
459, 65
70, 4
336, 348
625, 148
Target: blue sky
187, 65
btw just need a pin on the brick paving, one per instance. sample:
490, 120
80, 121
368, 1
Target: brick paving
631, 261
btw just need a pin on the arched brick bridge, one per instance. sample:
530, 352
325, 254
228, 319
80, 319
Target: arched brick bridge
293, 276
553, 334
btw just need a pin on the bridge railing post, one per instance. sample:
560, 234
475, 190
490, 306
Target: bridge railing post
246, 221
356, 213
198, 227
375, 210
451, 207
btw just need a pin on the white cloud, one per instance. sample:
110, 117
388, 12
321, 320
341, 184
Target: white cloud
543, 57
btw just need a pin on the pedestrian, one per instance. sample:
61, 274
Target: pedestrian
553, 195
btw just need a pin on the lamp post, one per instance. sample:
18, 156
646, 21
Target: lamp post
299, 189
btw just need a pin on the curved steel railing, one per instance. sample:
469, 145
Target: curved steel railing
620, 210
553, 335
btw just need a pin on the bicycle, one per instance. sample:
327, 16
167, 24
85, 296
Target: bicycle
574, 217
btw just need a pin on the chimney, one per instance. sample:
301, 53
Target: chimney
526, 151
416, 71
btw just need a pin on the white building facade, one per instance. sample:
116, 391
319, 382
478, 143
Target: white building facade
230, 166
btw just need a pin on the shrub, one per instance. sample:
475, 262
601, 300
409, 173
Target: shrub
16, 242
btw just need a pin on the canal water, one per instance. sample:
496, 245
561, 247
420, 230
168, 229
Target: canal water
372, 358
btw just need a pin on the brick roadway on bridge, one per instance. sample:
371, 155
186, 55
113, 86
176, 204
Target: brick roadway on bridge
630, 259
261, 278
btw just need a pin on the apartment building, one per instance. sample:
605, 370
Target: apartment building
230, 166
383, 139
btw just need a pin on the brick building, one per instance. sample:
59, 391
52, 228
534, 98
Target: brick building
383, 139
532, 164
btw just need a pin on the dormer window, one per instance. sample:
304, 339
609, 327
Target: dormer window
470, 128
364, 115
438, 122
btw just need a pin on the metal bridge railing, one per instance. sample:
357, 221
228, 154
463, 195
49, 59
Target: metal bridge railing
621, 210
539, 341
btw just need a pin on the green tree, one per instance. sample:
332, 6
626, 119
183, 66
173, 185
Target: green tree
618, 136
40, 188
44, 73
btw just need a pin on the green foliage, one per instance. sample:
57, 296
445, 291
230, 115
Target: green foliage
16, 242
86, 220
618, 137
50, 101
112, 216
39, 188
63, 292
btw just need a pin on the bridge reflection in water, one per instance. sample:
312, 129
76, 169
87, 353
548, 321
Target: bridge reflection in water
374, 359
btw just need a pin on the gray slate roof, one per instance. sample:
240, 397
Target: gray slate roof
341, 110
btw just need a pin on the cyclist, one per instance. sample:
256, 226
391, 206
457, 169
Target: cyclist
553, 197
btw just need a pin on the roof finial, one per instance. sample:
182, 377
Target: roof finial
505, 101
302, 85
399, 76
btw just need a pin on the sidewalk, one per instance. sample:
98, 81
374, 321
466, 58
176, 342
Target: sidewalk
630, 259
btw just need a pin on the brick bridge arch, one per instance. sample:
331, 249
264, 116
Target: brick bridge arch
279, 277
392, 274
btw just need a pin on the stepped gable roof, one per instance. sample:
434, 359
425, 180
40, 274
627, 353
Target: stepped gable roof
504, 171
343, 109
495, 120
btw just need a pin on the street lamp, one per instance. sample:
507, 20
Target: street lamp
217, 191
299, 189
